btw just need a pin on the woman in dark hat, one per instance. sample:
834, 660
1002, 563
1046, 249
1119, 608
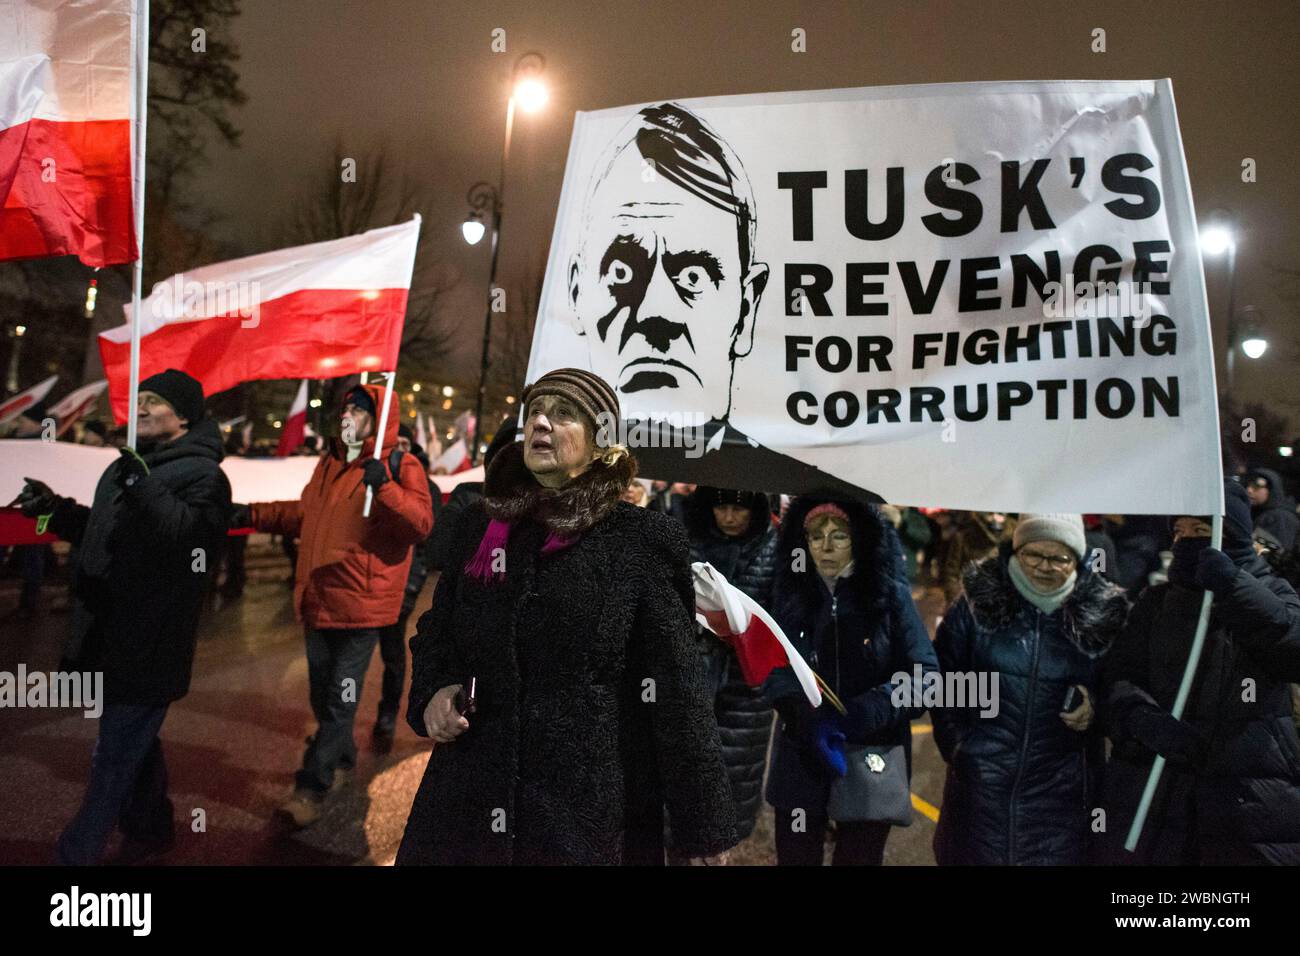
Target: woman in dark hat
556, 671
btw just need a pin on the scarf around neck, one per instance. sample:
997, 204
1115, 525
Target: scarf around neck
511, 495
1045, 601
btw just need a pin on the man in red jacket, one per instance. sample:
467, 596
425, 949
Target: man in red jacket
350, 577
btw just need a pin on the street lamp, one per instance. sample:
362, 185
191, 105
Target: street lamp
528, 92
1219, 236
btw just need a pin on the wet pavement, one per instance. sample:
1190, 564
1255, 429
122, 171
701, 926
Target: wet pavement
233, 744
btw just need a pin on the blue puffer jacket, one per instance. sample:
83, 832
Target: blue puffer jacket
1020, 783
856, 638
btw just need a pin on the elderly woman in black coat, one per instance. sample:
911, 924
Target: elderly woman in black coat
733, 531
1230, 792
842, 598
1023, 760
570, 614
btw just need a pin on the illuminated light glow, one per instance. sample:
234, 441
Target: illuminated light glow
1254, 347
472, 230
1286, 451
1216, 240
328, 362
448, 391
531, 94
370, 294
371, 361
415, 387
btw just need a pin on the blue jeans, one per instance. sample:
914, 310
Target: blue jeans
334, 657
128, 785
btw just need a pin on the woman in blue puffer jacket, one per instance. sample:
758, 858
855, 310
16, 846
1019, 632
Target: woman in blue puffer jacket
1022, 772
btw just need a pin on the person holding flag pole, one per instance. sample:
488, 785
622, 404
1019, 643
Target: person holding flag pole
840, 594
1219, 738
351, 573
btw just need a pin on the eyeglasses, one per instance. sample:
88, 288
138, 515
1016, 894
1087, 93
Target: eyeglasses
1057, 562
836, 540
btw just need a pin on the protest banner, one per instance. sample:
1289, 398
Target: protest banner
981, 296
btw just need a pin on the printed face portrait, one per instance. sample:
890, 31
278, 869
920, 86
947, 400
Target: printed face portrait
663, 284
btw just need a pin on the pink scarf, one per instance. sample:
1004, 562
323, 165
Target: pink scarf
496, 536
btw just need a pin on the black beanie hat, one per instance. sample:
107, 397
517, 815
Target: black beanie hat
182, 392
404, 431
359, 396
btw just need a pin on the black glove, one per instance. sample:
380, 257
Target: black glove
241, 516
376, 473
1215, 571
130, 468
36, 498
1176, 741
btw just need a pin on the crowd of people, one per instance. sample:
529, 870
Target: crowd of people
578, 713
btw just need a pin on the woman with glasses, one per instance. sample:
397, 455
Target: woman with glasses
1022, 766
841, 596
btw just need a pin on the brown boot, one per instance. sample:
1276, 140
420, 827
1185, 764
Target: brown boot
302, 809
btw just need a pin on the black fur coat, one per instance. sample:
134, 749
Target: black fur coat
592, 712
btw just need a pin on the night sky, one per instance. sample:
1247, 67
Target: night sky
421, 78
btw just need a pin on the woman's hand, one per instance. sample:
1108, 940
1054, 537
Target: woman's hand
1080, 718
441, 719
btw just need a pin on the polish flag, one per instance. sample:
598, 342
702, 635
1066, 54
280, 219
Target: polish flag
318, 311
66, 84
13, 407
454, 459
71, 407
295, 426
760, 644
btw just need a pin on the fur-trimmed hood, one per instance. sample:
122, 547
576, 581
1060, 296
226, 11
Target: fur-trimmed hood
1091, 616
876, 554
511, 493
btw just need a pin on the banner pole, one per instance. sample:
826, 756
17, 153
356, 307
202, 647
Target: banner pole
137, 271
379, 438
1184, 691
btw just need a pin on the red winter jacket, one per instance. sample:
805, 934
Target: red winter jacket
352, 570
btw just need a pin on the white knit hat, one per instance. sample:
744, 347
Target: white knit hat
1067, 529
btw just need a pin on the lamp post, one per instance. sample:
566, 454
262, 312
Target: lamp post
528, 93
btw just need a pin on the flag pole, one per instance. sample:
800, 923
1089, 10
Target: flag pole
379, 438
1180, 702
138, 185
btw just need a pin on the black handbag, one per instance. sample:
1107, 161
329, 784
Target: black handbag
875, 787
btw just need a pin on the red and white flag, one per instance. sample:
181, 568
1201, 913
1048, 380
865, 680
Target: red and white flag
760, 644
66, 84
317, 311
11, 408
71, 407
454, 459
295, 426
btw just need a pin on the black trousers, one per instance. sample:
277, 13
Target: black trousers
856, 844
336, 668
392, 651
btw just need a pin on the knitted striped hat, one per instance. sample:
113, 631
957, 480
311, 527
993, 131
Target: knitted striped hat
591, 393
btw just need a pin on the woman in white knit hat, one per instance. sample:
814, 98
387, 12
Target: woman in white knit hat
1021, 771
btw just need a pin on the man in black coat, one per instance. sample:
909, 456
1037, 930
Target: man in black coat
1231, 789
146, 550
